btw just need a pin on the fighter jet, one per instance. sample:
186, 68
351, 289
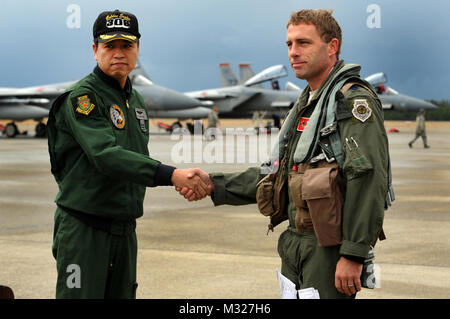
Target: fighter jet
241, 100
19, 104
393, 100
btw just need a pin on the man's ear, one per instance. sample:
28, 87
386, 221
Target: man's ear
333, 47
94, 48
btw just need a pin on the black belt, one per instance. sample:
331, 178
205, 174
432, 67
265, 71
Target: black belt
108, 225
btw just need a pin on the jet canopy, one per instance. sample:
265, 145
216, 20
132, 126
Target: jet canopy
271, 73
377, 79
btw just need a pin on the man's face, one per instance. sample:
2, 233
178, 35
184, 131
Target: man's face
116, 58
309, 55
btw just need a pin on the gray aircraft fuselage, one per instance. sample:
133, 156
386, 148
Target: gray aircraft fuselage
242, 101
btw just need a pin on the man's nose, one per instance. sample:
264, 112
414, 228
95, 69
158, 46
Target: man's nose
119, 52
294, 50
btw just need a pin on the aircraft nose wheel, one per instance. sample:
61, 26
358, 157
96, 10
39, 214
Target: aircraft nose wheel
41, 130
11, 130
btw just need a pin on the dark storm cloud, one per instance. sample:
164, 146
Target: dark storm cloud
184, 41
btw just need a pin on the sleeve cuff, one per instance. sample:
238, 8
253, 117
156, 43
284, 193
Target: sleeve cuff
356, 259
218, 196
354, 249
163, 175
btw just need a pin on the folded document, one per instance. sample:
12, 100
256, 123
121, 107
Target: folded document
288, 291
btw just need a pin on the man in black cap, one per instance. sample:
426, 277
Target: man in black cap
97, 136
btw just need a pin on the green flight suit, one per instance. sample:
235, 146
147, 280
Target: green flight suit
420, 130
98, 137
304, 262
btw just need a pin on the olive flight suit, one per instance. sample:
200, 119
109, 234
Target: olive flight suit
98, 145
304, 262
420, 130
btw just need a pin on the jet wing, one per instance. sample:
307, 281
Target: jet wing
281, 104
50, 90
211, 95
236, 103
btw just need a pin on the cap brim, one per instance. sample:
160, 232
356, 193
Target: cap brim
103, 38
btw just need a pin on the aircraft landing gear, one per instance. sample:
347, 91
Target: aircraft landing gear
41, 130
11, 130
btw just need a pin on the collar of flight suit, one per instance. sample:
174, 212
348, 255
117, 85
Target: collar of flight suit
111, 82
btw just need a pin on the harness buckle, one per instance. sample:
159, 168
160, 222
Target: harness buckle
322, 156
327, 130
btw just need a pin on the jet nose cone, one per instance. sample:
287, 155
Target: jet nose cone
180, 100
161, 98
421, 104
428, 105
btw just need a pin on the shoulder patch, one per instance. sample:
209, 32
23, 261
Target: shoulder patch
361, 109
84, 104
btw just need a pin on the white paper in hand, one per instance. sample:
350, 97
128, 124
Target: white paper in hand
287, 287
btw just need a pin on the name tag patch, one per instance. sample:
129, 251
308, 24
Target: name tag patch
302, 124
141, 115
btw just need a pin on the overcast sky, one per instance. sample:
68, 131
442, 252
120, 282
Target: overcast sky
183, 41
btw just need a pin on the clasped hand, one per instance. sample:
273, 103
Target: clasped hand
192, 183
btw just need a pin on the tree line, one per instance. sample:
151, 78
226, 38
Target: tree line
442, 113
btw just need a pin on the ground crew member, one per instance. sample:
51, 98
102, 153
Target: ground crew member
98, 133
213, 120
420, 129
322, 248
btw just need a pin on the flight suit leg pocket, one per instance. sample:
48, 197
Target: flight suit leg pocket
324, 198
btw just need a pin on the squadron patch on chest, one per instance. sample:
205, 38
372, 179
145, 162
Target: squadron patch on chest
117, 117
361, 110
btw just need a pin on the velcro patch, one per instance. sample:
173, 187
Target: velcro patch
117, 116
361, 110
302, 124
141, 115
84, 105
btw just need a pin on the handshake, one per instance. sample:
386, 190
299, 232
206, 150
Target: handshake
192, 183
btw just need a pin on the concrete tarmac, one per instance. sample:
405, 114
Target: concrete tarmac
196, 250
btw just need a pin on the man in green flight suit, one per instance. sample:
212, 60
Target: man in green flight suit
332, 263
98, 136
420, 129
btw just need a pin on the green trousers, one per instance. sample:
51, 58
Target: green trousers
307, 264
93, 263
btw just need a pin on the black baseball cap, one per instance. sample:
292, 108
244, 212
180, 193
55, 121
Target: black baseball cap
114, 25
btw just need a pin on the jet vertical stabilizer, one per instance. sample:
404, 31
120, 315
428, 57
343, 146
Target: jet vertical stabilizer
139, 70
246, 73
227, 75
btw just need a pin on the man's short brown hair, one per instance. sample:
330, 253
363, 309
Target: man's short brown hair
322, 19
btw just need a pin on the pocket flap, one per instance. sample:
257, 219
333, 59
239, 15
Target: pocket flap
316, 183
